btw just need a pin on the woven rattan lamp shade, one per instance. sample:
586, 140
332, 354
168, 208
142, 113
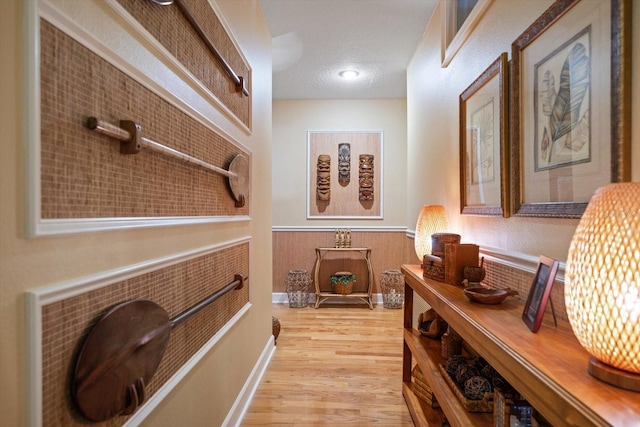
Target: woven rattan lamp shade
602, 284
432, 219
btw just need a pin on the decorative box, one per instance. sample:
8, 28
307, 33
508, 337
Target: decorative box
456, 258
433, 267
438, 240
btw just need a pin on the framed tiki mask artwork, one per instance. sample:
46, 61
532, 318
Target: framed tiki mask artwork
344, 174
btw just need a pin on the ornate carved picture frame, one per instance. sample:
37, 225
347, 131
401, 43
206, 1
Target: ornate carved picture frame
571, 102
484, 179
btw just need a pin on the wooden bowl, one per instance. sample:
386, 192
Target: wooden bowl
484, 295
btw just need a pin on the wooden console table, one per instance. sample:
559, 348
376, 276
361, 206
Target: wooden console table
322, 296
548, 368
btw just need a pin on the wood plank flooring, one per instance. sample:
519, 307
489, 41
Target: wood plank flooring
335, 365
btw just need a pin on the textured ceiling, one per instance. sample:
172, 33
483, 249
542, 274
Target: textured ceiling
313, 40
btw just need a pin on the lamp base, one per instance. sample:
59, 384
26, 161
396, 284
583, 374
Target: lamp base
614, 376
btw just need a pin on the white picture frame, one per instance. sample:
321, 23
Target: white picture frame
453, 37
344, 201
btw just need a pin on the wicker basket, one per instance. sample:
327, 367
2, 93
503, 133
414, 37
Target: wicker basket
483, 405
275, 328
342, 282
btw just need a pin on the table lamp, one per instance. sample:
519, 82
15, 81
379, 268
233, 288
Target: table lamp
602, 284
432, 219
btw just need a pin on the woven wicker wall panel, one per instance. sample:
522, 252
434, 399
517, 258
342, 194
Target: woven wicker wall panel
66, 323
83, 174
168, 25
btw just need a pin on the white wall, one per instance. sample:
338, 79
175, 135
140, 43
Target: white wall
291, 121
433, 136
206, 395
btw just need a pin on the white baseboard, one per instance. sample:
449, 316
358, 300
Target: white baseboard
281, 298
240, 406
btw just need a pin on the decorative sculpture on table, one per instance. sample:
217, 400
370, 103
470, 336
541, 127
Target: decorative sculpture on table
344, 163
343, 238
324, 177
366, 177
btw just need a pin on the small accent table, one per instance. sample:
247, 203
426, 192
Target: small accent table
322, 296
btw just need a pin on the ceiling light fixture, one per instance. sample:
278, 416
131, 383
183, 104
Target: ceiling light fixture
349, 74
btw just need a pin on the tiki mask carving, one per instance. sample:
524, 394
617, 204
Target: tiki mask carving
366, 177
324, 163
324, 177
344, 163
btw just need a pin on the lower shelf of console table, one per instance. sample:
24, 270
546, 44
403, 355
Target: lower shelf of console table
548, 368
365, 255
362, 296
427, 352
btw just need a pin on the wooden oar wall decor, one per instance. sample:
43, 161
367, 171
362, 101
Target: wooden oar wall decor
122, 352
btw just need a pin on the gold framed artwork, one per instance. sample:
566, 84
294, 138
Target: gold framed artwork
484, 179
571, 94
344, 174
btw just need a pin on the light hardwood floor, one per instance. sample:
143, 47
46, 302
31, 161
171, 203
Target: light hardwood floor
335, 365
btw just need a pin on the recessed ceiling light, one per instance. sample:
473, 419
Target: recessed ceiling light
349, 74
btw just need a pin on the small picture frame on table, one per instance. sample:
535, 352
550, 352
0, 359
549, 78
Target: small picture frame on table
539, 294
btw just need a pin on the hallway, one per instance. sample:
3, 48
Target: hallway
337, 365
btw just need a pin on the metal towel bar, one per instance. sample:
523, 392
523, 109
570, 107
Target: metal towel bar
238, 80
130, 135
